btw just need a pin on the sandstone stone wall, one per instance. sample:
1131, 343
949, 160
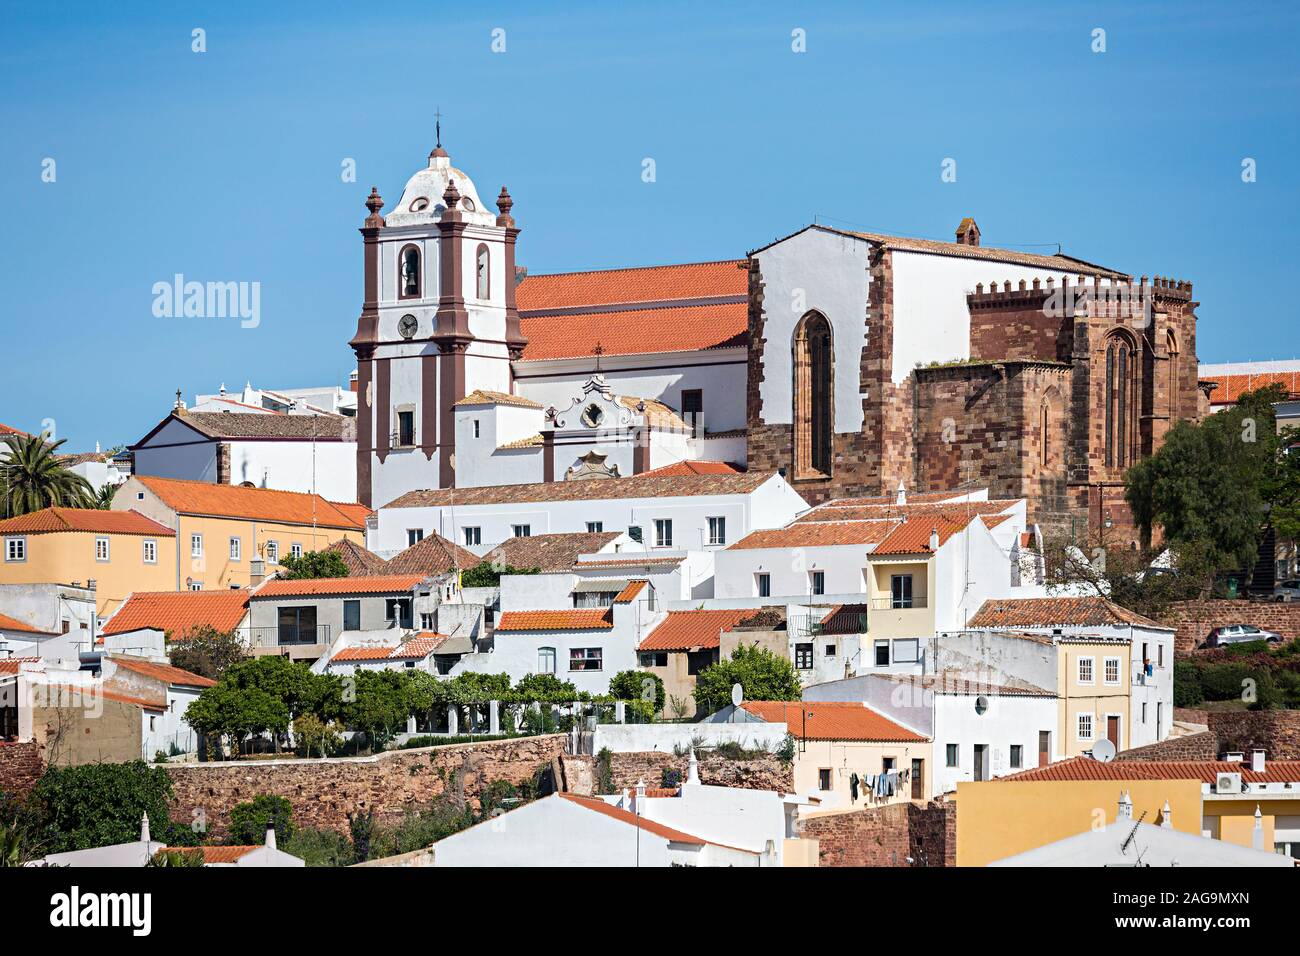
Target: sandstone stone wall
886, 836
1203, 746
323, 792
1275, 731
627, 769
1193, 620
20, 767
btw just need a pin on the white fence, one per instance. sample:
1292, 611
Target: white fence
639, 738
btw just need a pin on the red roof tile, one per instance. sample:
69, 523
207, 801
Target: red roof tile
357, 559
628, 817
575, 619
417, 647
215, 854
684, 630
633, 486
8, 623
827, 720
845, 619
257, 504
912, 536
95, 520
369, 584
162, 672
10, 430
432, 555
91, 691
692, 280
1206, 771
176, 613
695, 468
653, 330
549, 552
629, 593
10, 665
815, 534
1229, 388
836, 511
1056, 612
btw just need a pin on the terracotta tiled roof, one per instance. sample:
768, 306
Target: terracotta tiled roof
215, 854
695, 468
570, 619
549, 552
1056, 612
529, 441
483, 396
685, 630
431, 556
8, 623
913, 535
834, 511
10, 430
629, 593
380, 652
676, 329
176, 613
91, 691
845, 619
913, 498
1206, 771
95, 520
1059, 262
637, 486
162, 672
354, 510
358, 560
826, 720
959, 683
11, 665
369, 584
644, 561
814, 534
420, 646
257, 504
626, 816
253, 425
81, 458
658, 415
1229, 388
694, 280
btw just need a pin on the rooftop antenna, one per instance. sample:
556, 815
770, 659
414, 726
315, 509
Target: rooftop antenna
1123, 847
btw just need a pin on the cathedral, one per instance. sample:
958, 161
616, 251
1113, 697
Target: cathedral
850, 362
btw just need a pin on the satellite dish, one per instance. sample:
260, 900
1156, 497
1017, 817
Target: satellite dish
1103, 750
737, 695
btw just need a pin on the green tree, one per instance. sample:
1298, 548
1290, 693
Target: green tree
382, 704
488, 574
237, 713
102, 803
290, 682
314, 564
208, 652
173, 857
249, 821
545, 688
639, 686
760, 673
32, 477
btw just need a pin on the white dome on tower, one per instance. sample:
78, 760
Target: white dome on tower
422, 203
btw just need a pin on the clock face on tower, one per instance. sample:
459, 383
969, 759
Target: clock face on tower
407, 326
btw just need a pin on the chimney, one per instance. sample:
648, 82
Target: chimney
1257, 835
901, 497
1166, 817
693, 774
270, 836
256, 572
1257, 760
1125, 807
968, 234
144, 828
934, 540
639, 807
1234, 756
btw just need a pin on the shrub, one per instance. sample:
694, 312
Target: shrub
249, 821
1187, 684
760, 673
1223, 681
320, 847
101, 803
638, 686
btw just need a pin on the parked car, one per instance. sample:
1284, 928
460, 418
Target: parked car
1287, 590
1240, 634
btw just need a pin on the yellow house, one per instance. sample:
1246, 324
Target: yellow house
841, 747
221, 530
120, 551
1226, 800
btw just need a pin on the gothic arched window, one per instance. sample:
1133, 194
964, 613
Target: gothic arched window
1171, 346
481, 274
814, 397
408, 273
1120, 380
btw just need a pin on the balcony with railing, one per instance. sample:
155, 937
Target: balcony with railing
305, 641
897, 616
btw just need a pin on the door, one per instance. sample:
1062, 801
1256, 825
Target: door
981, 761
1112, 730
918, 779
1044, 747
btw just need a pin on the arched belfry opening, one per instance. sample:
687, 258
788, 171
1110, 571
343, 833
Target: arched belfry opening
814, 397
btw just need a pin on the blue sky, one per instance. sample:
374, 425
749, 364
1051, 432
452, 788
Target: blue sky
225, 165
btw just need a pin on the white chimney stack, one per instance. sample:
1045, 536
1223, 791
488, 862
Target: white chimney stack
1125, 807
693, 774
901, 497
1257, 837
270, 836
1257, 760
934, 540
1166, 817
144, 828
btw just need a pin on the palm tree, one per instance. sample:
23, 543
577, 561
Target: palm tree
103, 498
31, 477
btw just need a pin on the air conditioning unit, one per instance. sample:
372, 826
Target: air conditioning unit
1227, 783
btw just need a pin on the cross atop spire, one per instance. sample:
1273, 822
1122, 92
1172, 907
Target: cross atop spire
437, 126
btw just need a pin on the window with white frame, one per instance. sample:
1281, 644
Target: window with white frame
763, 581
663, 532
472, 535
1016, 756
273, 552
196, 546
1144, 711
15, 549
522, 530
236, 549
1112, 670
595, 527
546, 660
196, 585
149, 551
718, 530
817, 582
952, 755
295, 549
1085, 727
585, 659
803, 656
907, 650
101, 549
414, 536
1085, 670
